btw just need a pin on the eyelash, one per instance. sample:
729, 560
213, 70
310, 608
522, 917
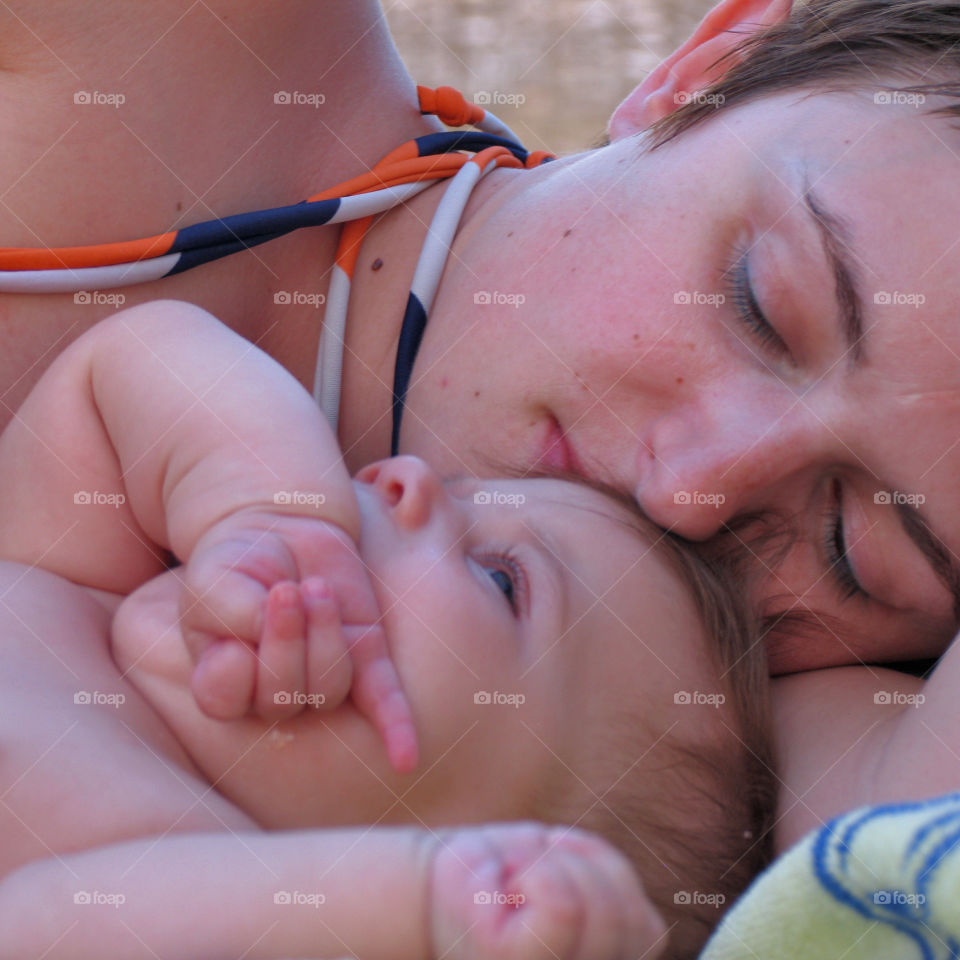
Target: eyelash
737, 280
836, 551
509, 560
741, 293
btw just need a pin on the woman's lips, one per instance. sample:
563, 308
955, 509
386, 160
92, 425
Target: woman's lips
558, 453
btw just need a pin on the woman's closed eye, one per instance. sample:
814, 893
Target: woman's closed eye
736, 277
835, 547
740, 290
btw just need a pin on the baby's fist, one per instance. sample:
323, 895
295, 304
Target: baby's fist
528, 891
277, 611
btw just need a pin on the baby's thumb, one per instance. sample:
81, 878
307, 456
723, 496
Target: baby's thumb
224, 678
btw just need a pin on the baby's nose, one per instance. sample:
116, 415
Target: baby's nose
410, 487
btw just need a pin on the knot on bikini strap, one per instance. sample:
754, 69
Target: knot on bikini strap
536, 157
449, 105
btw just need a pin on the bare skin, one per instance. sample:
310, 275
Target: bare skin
136, 170
664, 398
854, 736
131, 406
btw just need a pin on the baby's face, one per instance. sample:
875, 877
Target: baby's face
535, 631
523, 617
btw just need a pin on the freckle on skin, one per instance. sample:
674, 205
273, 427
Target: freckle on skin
636, 336
476, 393
567, 232
443, 383
510, 234
179, 205
377, 264
679, 380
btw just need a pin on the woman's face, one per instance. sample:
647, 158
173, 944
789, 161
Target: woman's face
615, 311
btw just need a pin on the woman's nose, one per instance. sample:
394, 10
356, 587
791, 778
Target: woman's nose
698, 469
410, 487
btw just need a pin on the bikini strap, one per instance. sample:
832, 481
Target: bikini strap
496, 145
414, 166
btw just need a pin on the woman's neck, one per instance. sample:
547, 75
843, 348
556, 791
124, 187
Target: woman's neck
199, 134
379, 294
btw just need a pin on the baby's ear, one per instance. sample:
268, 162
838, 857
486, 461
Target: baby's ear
688, 69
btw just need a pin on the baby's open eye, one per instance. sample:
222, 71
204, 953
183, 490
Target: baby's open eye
508, 574
505, 582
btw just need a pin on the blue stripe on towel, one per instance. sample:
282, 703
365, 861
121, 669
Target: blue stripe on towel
837, 840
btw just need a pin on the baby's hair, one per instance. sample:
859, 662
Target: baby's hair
724, 785
835, 45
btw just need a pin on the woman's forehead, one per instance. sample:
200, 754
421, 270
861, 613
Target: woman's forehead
843, 134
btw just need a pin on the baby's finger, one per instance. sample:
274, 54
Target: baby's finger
226, 586
282, 654
642, 927
329, 667
229, 605
379, 696
602, 931
620, 919
224, 678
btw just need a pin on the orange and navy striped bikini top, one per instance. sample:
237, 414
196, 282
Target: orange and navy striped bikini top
412, 167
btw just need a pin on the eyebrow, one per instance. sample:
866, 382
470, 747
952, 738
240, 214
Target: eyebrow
835, 237
937, 554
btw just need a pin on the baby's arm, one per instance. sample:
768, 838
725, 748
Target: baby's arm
503, 892
165, 406
160, 426
201, 895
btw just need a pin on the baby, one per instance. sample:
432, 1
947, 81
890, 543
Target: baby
240, 756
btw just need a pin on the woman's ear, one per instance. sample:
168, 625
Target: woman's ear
687, 70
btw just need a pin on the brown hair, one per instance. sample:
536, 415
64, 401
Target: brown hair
834, 45
698, 850
715, 832
700, 844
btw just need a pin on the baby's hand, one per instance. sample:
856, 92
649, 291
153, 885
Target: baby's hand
528, 891
278, 613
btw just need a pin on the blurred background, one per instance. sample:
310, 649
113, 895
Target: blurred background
552, 69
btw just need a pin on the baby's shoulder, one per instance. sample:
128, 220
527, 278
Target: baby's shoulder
836, 733
841, 694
